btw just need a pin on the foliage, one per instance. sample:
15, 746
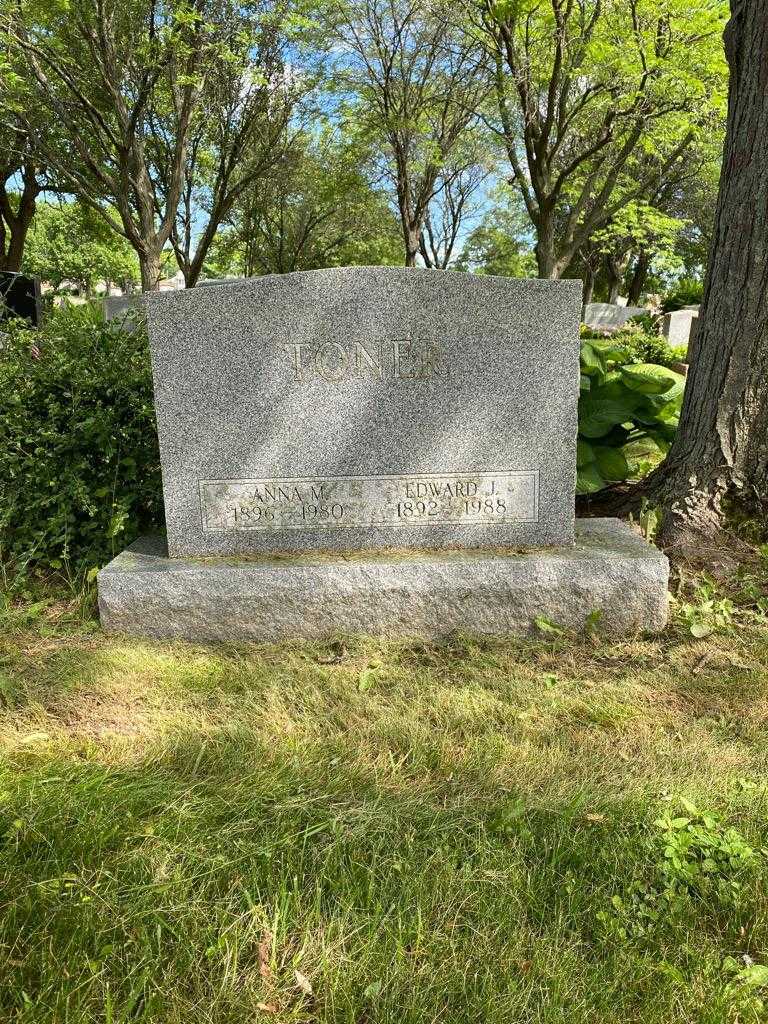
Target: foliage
621, 402
691, 856
161, 113
599, 105
318, 209
69, 242
79, 464
498, 244
708, 612
418, 82
687, 292
637, 226
695, 201
641, 341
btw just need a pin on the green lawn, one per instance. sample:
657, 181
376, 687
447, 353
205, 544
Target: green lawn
357, 832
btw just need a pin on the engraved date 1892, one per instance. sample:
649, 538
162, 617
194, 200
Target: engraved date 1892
469, 507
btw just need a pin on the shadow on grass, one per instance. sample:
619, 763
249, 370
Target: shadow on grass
193, 881
424, 832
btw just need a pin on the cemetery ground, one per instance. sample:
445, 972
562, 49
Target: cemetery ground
554, 829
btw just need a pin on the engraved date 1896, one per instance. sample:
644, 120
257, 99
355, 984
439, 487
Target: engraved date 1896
367, 501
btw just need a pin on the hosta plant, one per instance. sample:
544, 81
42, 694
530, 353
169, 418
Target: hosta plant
621, 403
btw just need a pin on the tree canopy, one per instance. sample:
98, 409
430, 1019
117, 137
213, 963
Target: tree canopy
290, 134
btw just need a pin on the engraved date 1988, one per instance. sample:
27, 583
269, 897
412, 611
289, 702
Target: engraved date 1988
367, 501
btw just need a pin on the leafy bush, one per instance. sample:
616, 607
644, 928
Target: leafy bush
643, 347
641, 340
621, 402
686, 292
79, 463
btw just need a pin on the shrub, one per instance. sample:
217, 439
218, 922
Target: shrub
686, 292
622, 401
641, 342
79, 463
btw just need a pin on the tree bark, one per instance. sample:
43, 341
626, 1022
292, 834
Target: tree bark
615, 275
722, 444
411, 237
15, 224
546, 259
588, 288
150, 267
639, 277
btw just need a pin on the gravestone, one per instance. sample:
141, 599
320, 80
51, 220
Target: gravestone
605, 316
210, 282
19, 297
118, 306
366, 408
678, 327
372, 449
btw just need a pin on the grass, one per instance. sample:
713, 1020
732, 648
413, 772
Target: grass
363, 832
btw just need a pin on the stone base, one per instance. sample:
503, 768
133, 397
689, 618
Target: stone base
427, 594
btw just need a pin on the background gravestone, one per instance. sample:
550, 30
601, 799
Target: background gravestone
605, 316
678, 327
363, 408
19, 296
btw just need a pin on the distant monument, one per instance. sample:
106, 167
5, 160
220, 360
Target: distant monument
378, 450
679, 327
605, 316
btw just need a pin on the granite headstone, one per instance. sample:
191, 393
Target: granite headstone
678, 326
120, 306
366, 408
379, 450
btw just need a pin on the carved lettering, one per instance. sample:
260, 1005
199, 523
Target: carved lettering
426, 499
401, 359
364, 360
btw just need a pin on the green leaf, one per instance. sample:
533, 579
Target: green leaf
612, 463
754, 976
592, 361
589, 480
606, 407
649, 378
545, 625
585, 453
366, 679
701, 630
593, 620
609, 349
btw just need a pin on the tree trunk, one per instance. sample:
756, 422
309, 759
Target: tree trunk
546, 259
722, 444
614, 277
639, 277
412, 237
149, 264
14, 225
588, 288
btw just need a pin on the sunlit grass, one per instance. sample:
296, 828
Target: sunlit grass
358, 831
